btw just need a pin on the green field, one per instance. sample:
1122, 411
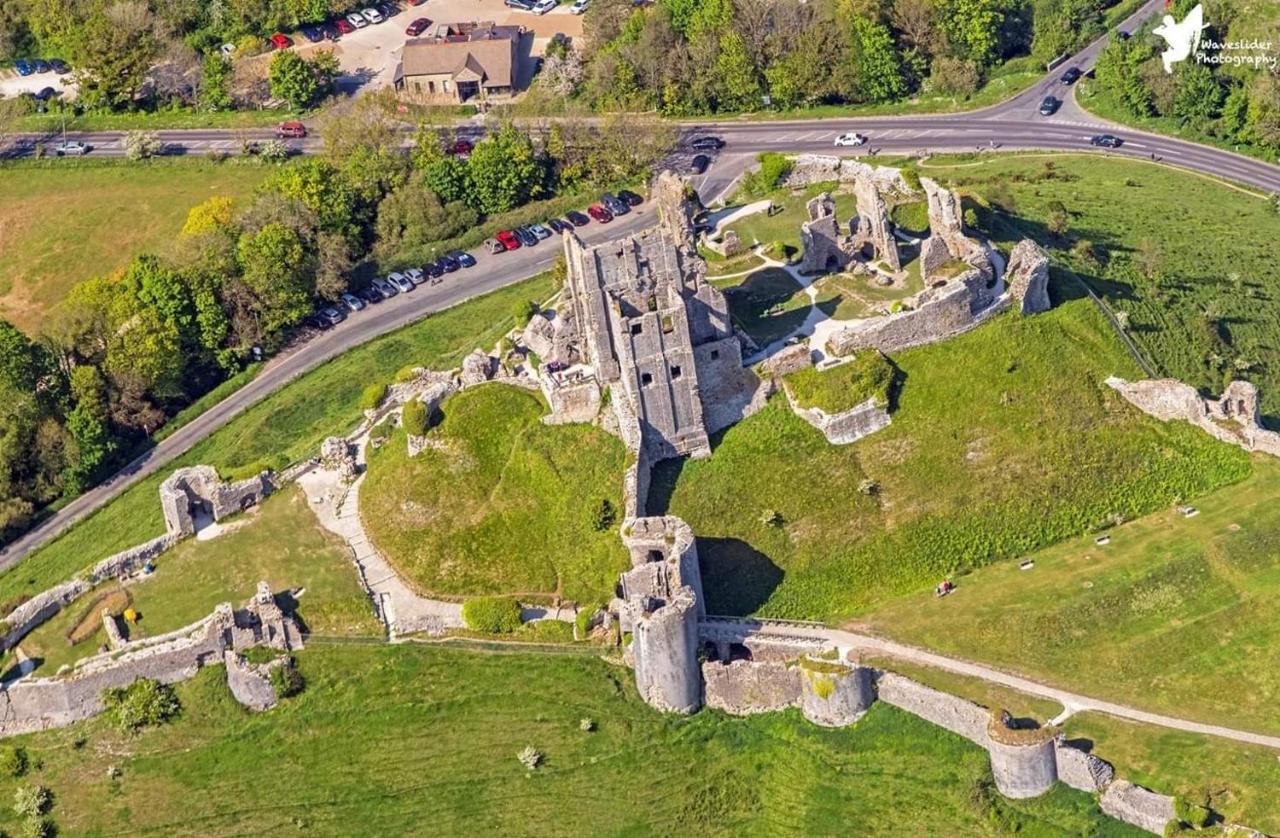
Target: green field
1169, 606
499, 502
389, 740
279, 541
1211, 309
285, 427
65, 221
1004, 440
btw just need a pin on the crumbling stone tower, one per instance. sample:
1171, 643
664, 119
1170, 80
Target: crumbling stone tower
825, 249
874, 226
641, 313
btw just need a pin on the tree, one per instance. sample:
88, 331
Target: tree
1198, 96
214, 215
412, 216
954, 76
505, 171
276, 268
215, 83
144, 703
301, 82
22, 361
447, 176
320, 187
1058, 218
1263, 114
1119, 73
113, 49
879, 68
972, 28
140, 145
333, 265
739, 81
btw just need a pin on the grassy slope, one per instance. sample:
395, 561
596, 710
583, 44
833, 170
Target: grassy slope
280, 542
1004, 441
282, 428
65, 221
386, 739
1216, 257
868, 375
1169, 606
506, 505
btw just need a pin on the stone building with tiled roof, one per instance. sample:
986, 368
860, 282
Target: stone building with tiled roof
461, 62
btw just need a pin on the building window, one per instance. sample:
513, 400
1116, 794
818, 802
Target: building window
636, 327
444, 85
715, 354
668, 325
645, 379
675, 373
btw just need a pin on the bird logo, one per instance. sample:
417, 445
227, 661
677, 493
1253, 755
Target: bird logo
1183, 38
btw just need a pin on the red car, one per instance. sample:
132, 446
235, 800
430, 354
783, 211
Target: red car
508, 239
599, 213
291, 130
344, 26
417, 27
416, 2
281, 41
460, 148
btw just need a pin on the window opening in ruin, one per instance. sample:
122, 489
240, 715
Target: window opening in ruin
645, 379
655, 555
667, 325
715, 354
636, 328
675, 372
653, 302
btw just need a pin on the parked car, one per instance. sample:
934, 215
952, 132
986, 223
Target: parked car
23, 68
494, 246
448, 263
850, 139
416, 276
372, 15
357, 20
579, 7
39, 65
388, 10
1049, 106
59, 66
541, 7
631, 198
520, 5
1071, 76
416, 2
46, 93
599, 213
72, 148
370, 295
559, 225
1122, 35
417, 27
352, 302
401, 282
344, 25
386, 289
460, 148
227, 50
1106, 141
463, 258
291, 130
508, 240
433, 270
526, 236
331, 315
707, 143
577, 219
615, 205
540, 231
330, 31
313, 34
281, 41
699, 163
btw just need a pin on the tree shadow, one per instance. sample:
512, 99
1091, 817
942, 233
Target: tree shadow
737, 579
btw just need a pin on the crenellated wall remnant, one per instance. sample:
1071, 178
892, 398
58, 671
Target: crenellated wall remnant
823, 247
947, 239
1024, 761
874, 229
1027, 276
834, 693
1234, 418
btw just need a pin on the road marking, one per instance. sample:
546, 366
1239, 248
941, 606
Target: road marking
1136, 145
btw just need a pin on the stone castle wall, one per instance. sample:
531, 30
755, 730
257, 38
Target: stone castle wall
847, 426
1234, 418
743, 687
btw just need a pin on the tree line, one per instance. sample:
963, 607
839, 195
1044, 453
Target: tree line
1238, 104
685, 57
123, 352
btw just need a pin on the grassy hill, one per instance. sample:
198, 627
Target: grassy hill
499, 502
387, 739
1004, 440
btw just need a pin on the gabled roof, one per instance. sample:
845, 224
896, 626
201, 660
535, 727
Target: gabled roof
486, 55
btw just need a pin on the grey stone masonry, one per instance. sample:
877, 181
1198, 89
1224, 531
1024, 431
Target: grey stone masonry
834, 694
744, 687
1027, 276
1082, 770
39, 608
808, 169
1023, 761
947, 711
824, 248
1234, 418
251, 685
189, 489
874, 228
847, 426
1135, 805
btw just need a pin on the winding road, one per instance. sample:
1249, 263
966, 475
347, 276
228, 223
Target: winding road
1011, 125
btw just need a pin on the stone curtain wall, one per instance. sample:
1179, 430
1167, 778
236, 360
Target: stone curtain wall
1233, 418
946, 711
744, 687
845, 427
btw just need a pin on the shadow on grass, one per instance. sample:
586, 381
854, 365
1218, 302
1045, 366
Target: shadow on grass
737, 579
662, 484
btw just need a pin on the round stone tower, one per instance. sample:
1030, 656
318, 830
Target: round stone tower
1023, 760
834, 694
665, 646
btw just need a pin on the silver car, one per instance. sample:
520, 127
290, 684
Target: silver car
401, 282
415, 275
386, 289
71, 148
352, 302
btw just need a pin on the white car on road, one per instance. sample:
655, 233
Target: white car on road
372, 15
357, 20
850, 139
71, 148
578, 7
543, 6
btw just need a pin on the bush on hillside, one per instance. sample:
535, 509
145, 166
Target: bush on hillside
491, 614
415, 418
14, 762
285, 678
773, 168
144, 703
372, 396
1193, 815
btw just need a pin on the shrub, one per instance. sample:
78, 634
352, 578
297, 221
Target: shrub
144, 703
773, 168
912, 179
285, 678
139, 145
1192, 814
273, 151
406, 374
530, 757
587, 725
491, 614
13, 761
31, 801
523, 311
604, 515
36, 828
415, 418
371, 396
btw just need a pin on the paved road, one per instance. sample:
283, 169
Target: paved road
1011, 125
491, 272
1072, 702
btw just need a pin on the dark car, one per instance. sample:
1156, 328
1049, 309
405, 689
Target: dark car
1122, 35
707, 143
59, 66
417, 27
313, 34
631, 198
389, 9
23, 68
699, 164
369, 295
559, 225
331, 315
1106, 141
39, 65
577, 219
1071, 76
1049, 106
521, 5
433, 270
614, 204
448, 263
46, 94
526, 236
464, 259
599, 213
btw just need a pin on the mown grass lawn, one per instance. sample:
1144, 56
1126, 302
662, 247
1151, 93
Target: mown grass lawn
390, 740
1211, 307
280, 541
1175, 614
499, 502
1004, 440
285, 427
64, 221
